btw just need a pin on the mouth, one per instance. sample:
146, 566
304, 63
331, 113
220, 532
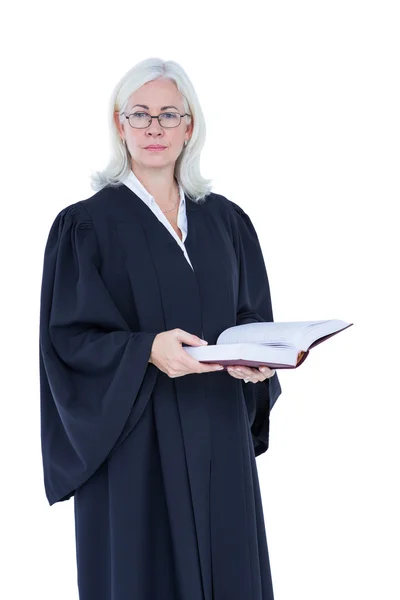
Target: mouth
156, 147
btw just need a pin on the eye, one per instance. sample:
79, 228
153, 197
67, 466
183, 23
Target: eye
139, 114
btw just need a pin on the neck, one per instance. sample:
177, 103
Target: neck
160, 183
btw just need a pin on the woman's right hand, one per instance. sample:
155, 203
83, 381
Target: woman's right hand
168, 355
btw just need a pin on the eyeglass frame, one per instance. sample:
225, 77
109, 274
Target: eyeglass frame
156, 117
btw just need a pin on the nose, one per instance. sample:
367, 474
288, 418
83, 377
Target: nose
154, 128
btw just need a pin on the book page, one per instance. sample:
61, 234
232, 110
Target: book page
298, 334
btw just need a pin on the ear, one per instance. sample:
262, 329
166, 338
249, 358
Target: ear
117, 123
189, 128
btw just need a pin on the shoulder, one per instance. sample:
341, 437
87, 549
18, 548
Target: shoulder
221, 202
230, 211
71, 217
82, 213
229, 206
102, 203
240, 224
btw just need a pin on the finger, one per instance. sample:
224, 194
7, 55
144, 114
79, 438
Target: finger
267, 371
208, 367
195, 366
246, 371
235, 375
252, 374
212, 367
240, 374
189, 338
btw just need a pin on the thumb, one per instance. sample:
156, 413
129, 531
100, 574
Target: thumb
191, 339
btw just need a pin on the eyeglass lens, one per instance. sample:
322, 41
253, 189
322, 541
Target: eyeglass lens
142, 119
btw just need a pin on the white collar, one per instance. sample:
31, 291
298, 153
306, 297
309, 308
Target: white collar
138, 188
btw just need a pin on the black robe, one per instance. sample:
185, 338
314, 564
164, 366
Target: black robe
162, 470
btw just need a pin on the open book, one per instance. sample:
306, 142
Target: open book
277, 345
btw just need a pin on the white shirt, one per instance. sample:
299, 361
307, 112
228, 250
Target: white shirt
133, 183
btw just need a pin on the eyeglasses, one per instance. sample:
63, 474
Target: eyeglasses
140, 120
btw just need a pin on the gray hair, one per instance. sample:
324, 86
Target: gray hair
187, 165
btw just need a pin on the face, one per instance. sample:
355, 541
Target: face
154, 96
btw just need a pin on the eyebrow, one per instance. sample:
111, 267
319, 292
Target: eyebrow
162, 108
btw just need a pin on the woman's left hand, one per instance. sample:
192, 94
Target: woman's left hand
253, 375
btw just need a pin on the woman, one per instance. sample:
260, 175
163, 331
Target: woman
157, 449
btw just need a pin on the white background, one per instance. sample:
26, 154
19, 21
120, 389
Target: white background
316, 167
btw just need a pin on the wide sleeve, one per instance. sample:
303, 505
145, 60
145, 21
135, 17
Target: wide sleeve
95, 378
254, 304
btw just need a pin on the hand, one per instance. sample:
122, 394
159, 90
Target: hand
168, 355
253, 375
